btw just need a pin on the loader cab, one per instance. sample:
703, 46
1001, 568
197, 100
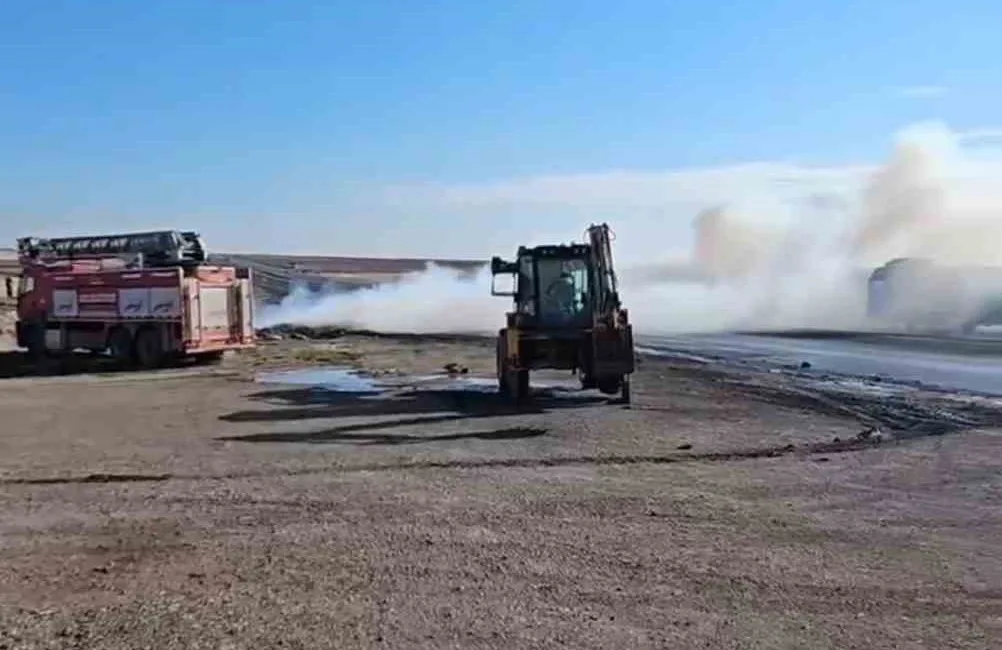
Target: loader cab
552, 285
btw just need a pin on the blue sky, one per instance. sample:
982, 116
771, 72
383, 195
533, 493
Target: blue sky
337, 127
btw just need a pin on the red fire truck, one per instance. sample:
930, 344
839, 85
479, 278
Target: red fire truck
145, 298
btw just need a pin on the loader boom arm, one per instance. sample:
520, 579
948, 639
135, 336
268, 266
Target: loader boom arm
606, 287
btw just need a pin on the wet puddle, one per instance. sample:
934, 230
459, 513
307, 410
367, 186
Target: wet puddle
453, 382
342, 380
346, 380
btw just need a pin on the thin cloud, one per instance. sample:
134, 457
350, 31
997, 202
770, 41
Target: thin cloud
981, 137
644, 189
653, 210
922, 92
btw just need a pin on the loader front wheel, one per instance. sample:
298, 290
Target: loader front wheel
513, 384
501, 369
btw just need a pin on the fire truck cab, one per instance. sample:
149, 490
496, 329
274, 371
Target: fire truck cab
144, 297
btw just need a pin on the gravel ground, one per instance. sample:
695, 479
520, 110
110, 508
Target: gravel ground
202, 509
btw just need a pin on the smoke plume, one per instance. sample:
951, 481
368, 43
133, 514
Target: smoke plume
929, 199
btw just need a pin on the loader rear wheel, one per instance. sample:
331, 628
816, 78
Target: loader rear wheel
626, 392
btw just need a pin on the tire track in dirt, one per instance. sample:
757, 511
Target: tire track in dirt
867, 439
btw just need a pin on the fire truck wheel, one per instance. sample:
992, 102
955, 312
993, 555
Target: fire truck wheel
149, 350
34, 340
609, 385
209, 358
120, 345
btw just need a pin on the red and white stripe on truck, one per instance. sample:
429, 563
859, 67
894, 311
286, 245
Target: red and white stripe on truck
198, 310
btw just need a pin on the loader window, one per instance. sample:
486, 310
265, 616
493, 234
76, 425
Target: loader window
563, 285
526, 286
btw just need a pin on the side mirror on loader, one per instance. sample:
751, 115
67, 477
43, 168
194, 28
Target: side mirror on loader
501, 267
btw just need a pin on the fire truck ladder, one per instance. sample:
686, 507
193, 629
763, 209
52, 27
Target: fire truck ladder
156, 248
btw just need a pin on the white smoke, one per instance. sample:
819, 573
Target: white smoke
804, 268
438, 300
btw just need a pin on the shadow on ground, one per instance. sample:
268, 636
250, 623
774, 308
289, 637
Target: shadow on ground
416, 408
340, 436
16, 364
810, 451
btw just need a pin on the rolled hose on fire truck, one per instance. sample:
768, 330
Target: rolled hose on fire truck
158, 248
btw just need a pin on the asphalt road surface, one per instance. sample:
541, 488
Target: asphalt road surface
970, 365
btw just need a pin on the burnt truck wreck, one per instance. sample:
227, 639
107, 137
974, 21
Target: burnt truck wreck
921, 296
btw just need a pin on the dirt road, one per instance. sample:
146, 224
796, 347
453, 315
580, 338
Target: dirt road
416, 512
